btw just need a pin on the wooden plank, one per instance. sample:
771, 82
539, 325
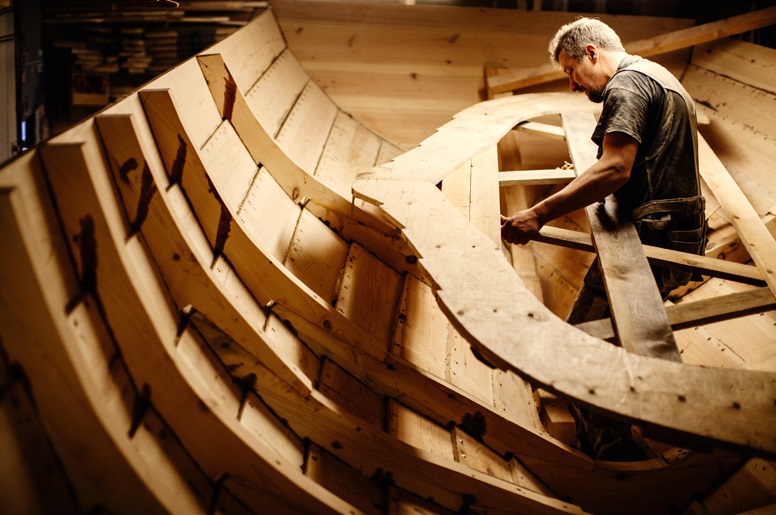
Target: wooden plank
179, 247
472, 453
657, 45
353, 396
297, 183
350, 148
514, 397
756, 237
535, 177
265, 201
146, 330
29, 462
251, 50
344, 481
229, 166
418, 431
544, 129
265, 276
513, 200
637, 309
402, 502
466, 371
690, 314
523, 477
736, 59
421, 335
721, 268
275, 93
369, 295
457, 188
751, 487
484, 210
307, 127
312, 240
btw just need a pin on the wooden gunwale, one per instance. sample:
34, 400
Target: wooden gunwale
482, 301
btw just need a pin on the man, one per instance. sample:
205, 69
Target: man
647, 158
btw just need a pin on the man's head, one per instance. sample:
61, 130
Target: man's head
586, 50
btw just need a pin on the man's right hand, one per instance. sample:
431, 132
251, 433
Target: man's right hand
521, 227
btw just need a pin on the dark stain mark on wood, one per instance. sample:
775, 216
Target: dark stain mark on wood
176, 173
224, 221
140, 408
230, 95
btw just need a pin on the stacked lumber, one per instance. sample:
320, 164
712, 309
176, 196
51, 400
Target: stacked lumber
211, 320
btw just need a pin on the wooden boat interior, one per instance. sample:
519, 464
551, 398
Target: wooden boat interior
227, 293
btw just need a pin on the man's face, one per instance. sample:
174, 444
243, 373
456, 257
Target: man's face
585, 75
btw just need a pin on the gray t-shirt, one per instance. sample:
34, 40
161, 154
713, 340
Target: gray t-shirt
658, 118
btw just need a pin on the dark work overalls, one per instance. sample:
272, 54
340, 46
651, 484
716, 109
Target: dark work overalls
674, 223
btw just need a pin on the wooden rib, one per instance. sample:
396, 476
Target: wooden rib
691, 314
721, 268
295, 181
70, 363
511, 329
753, 233
661, 44
634, 300
169, 360
535, 177
179, 247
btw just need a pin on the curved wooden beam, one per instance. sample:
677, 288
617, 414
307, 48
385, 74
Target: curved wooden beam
487, 302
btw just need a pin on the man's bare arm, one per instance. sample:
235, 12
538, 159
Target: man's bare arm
603, 178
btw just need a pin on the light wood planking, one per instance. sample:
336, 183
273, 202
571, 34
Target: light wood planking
354, 397
350, 148
369, 294
265, 201
421, 335
307, 127
317, 256
469, 451
273, 96
252, 49
416, 430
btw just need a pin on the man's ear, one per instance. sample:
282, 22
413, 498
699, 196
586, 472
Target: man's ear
592, 51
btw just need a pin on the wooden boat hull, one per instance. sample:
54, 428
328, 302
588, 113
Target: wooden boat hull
206, 309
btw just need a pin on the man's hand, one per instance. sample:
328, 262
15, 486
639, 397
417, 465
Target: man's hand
521, 227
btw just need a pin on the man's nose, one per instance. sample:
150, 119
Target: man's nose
574, 85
